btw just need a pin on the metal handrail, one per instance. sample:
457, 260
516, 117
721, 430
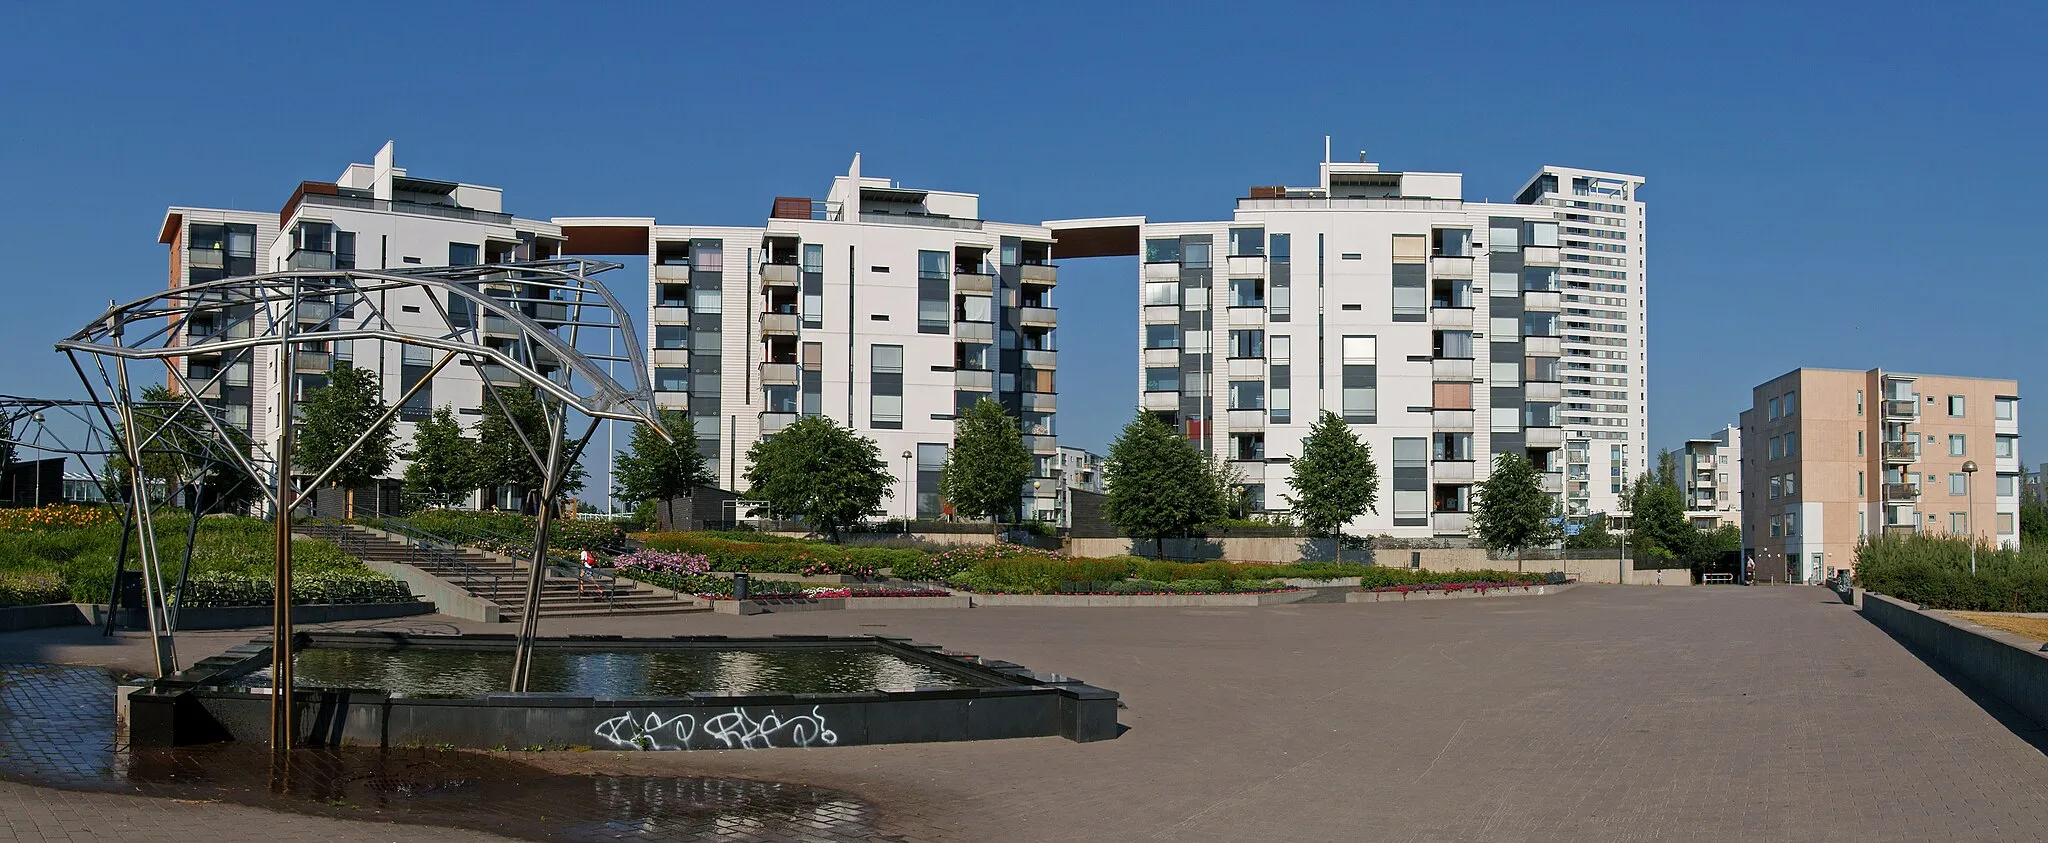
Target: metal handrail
436, 552
608, 583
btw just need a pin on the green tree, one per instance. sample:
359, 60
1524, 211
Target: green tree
2033, 521
442, 469
1160, 486
827, 475
1512, 511
1658, 528
1667, 469
502, 458
184, 455
334, 416
1593, 535
987, 465
1334, 479
657, 469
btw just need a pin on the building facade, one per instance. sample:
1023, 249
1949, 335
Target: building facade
886, 308
1435, 326
372, 216
1711, 469
1830, 456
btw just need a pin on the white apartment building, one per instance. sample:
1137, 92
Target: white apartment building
1711, 475
372, 216
1605, 407
884, 307
1434, 325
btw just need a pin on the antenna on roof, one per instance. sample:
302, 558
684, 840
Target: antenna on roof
1326, 149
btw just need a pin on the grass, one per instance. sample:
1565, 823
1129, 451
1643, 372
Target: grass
2035, 628
230, 557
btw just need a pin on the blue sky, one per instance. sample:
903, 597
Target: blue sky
1827, 187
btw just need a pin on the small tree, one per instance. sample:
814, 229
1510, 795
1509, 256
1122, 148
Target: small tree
1657, 524
987, 466
335, 415
827, 475
1334, 479
442, 470
502, 458
1159, 484
1593, 535
1512, 511
2033, 521
657, 470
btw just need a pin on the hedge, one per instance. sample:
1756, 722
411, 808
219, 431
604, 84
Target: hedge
784, 557
1935, 572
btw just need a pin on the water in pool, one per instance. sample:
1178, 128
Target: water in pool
611, 674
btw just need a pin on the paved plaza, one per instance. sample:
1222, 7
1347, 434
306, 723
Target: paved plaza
1604, 713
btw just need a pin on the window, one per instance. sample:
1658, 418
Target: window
2008, 485
885, 407
1859, 443
1247, 343
1792, 443
707, 255
1505, 329
1162, 336
1859, 484
976, 309
934, 303
2006, 446
1790, 485
1792, 523
1543, 234
1955, 406
1247, 292
1957, 445
1451, 242
2005, 408
463, 254
1247, 395
1278, 350
1774, 409
1777, 446
1777, 486
931, 462
1247, 242
670, 336
1162, 292
1361, 403
1507, 374
1507, 420
1248, 446
1453, 345
1859, 402
1777, 526
707, 301
1162, 379
1411, 293
1958, 522
1361, 351
931, 264
1791, 403
1194, 254
672, 379
344, 249
1279, 402
813, 257
1958, 484
1504, 235
1162, 250
2006, 525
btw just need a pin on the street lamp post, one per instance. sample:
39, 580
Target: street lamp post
910, 489
1970, 489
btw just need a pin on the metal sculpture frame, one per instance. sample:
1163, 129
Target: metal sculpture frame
24, 425
521, 325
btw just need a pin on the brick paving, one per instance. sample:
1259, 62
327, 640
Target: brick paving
1604, 713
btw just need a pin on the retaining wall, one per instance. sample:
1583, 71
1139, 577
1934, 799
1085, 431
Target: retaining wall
2009, 666
16, 618
1461, 594
815, 604
1133, 601
1274, 549
447, 597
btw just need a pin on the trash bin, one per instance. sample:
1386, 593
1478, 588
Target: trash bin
739, 586
131, 590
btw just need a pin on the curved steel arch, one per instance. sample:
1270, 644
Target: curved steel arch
527, 319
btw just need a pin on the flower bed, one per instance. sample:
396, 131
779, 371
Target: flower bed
913, 591
60, 516
231, 560
785, 556
1451, 586
32, 588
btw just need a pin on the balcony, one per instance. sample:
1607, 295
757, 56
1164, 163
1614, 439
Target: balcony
1553, 482
675, 357
1446, 266
1544, 437
547, 312
312, 361
973, 282
1041, 444
1247, 419
1162, 357
974, 380
1540, 256
498, 375
1542, 391
314, 311
1901, 451
1245, 266
1039, 402
672, 273
1246, 368
974, 332
1901, 492
672, 400
1543, 346
1160, 400
1450, 317
498, 326
1542, 300
1450, 523
1451, 471
1902, 408
778, 324
1162, 271
670, 315
773, 422
779, 275
1044, 274
1162, 314
780, 373
933, 220
208, 258
1249, 316
1451, 369
1041, 358
1451, 421
1038, 317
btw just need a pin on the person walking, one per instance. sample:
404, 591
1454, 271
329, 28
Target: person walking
588, 573
1749, 570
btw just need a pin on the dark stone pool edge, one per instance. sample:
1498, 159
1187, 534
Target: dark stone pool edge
195, 707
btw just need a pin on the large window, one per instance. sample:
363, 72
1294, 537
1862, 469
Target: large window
2005, 408
1453, 345
1411, 293
934, 305
813, 285
1162, 379
1162, 292
1248, 343
1194, 254
931, 463
1958, 445
932, 264
1955, 406
1247, 395
1162, 336
885, 408
463, 254
1959, 484
1361, 351
976, 309
2006, 446
667, 379
1505, 329
1247, 292
670, 336
1247, 242
1451, 242
1162, 250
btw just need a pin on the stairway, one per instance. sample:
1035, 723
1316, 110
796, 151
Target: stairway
501, 579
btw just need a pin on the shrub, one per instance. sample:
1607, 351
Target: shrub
783, 557
1935, 572
78, 549
32, 588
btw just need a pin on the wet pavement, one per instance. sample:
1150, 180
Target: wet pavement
57, 730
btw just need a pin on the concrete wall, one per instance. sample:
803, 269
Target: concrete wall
1275, 549
1287, 550
2008, 666
15, 618
448, 598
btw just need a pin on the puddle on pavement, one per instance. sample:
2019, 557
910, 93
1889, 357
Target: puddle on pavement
57, 730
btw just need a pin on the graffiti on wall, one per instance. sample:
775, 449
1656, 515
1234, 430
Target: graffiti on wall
735, 729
